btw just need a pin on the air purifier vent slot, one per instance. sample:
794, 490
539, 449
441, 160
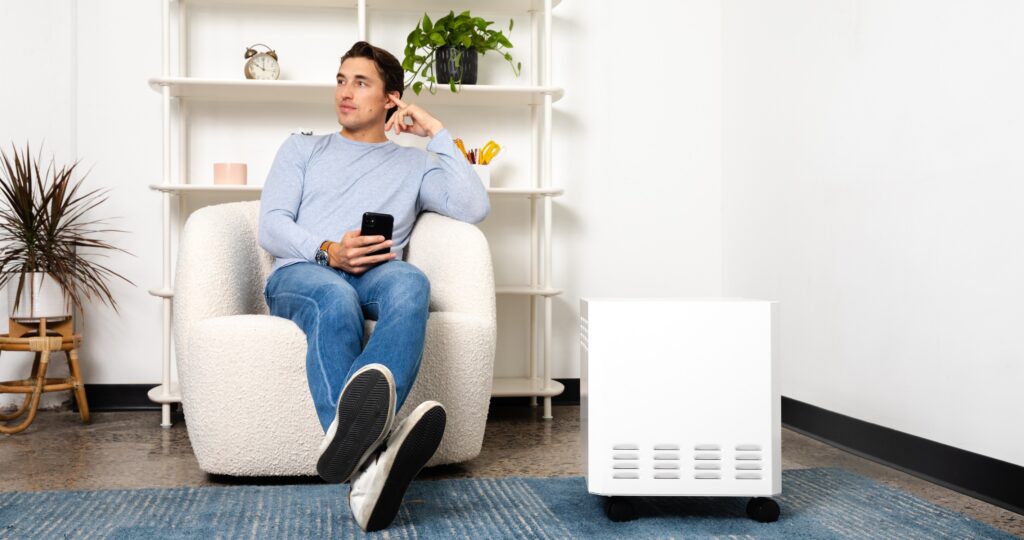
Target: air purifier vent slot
625, 461
748, 457
707, 461
665, 457
666, 476
748, 466
666, 447
748, 447
748, 476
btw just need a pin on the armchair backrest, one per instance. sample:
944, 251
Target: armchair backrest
222, 269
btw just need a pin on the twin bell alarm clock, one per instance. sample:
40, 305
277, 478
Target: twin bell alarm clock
261, 65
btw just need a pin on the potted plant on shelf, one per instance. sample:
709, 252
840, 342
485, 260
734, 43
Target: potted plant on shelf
452, 44
43, 222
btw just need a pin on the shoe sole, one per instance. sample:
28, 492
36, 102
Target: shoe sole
362, 419
416, 450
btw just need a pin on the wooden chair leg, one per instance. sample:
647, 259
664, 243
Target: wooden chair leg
79, 390
36, 393
28, 397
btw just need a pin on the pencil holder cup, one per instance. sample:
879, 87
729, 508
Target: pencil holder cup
484, 172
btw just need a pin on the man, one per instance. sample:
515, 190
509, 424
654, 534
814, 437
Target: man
327, 281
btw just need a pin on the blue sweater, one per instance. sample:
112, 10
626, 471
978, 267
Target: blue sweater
319, 187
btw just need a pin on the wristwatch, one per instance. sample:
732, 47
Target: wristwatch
321, 254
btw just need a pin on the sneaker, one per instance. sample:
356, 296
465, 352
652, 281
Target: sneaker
378, 488
366, 410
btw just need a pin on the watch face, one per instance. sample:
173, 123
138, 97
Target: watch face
263, 67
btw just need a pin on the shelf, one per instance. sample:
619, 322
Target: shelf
478, 6
156, 394
162, 293
528, 192
526, 291
244, 90
525, 387
204, 188
211, 188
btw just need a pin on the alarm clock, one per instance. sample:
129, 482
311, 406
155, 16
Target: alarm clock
261, 65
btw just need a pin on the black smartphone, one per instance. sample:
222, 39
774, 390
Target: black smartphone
375, 224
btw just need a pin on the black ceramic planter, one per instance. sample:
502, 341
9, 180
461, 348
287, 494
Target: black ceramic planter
444, 63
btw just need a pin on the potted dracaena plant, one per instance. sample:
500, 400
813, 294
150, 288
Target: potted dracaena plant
445, 51
43, 223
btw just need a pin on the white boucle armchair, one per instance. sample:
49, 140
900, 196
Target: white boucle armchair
247, 405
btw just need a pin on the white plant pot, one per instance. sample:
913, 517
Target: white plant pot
484, 172
41, 297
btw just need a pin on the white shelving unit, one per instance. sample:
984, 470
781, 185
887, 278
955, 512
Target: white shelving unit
323, 92
538, 95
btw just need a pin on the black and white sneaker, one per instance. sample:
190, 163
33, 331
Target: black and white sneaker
378, 488
366, 410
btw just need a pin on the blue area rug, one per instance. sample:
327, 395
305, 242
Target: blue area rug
816, 503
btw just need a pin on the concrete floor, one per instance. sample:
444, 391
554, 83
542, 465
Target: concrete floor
131, 450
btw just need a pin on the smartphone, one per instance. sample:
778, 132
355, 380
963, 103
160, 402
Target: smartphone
375, 224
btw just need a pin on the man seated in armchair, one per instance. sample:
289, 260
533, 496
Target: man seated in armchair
327, 279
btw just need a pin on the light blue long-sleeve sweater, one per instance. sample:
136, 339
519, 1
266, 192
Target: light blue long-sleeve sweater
319, 187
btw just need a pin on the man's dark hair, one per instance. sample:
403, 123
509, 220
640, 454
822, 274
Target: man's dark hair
388, 67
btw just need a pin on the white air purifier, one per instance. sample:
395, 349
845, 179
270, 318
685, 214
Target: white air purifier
680, 397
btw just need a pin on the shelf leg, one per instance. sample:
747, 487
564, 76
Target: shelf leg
547, 408
165, 410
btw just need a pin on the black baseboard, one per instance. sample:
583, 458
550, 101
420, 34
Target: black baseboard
133, 397
117, 397
991, 480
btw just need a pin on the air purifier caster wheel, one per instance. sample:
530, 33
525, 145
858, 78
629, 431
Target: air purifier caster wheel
763, 509
620, 509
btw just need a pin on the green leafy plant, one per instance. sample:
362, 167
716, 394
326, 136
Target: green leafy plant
461, 32
43, 222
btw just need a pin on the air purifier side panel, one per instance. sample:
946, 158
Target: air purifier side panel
681, 398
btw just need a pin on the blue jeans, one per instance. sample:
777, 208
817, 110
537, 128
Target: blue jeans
330, 305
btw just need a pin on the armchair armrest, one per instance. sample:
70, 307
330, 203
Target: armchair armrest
241, 384
220, 267
457, 260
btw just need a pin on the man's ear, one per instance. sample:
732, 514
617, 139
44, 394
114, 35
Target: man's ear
388, 104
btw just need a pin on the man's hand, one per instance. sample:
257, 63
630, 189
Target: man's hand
350, 254
422, 123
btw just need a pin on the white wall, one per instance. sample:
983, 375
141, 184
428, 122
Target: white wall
37, 106
873, 183
641, 212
